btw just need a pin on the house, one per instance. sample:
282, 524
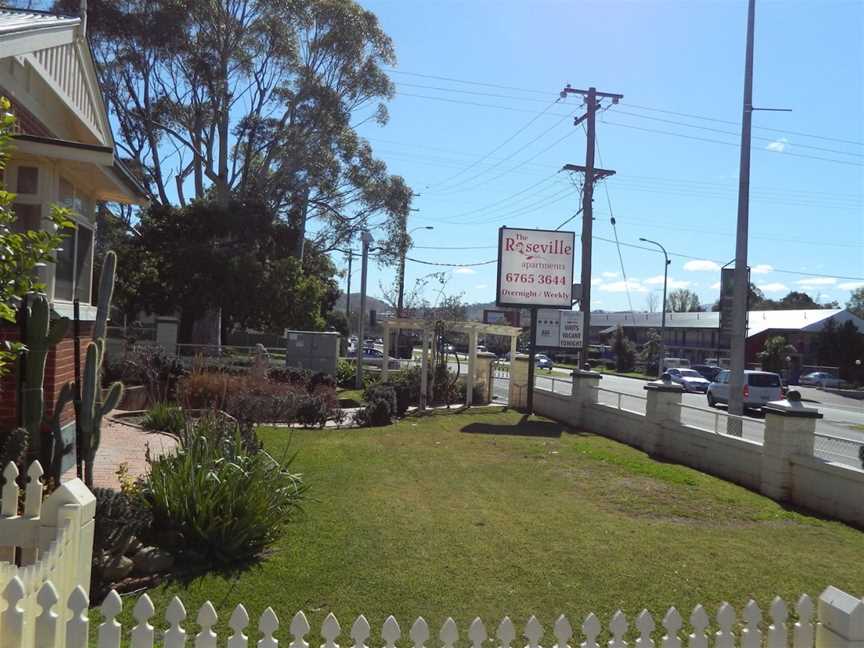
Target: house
63, 154
696, 336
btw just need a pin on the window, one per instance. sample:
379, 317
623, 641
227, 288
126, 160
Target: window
28, 180
27, 217
74, 266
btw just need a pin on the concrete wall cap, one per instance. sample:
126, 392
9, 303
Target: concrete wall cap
791, 408
659, 385
486, 354
590, 375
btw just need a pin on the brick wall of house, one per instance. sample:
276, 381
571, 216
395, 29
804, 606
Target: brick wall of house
59, 369
27, 122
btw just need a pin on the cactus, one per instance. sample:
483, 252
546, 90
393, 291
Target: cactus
40, 335
94, 406
53, 452
94, 402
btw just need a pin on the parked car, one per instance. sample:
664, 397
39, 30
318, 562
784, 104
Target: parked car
689, 379
821, 379
375, 358
542, 361
760, 387
675, 363
707, 371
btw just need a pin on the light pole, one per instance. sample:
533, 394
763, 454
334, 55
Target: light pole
399, 304
367, 239
662, 350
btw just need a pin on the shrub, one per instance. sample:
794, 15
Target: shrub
165, 418
321, 379
251, 408
405, 386
290, 376
382, 392
153, 367
346, 373
207, 389
226, 501
313, 411
375, 414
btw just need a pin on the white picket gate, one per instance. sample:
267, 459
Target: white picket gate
45, 552
838, 624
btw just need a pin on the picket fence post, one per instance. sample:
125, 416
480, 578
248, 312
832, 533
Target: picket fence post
841, 620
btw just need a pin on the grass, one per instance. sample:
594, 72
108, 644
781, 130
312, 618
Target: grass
860, 428
476, 514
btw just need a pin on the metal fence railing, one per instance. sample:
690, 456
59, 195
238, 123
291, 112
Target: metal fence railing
718, 422
634, 403
849, 452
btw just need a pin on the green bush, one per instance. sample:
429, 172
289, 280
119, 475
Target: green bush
290, 375
313, 411
226, 501
346, 373
375, 414
164, 417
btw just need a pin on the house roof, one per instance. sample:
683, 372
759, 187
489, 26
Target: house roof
14, 20
808, 320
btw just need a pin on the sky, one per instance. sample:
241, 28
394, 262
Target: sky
474, 131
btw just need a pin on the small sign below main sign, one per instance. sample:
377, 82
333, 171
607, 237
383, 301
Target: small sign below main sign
535, 268
560, 329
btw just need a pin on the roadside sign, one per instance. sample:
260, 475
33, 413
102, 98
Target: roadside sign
572, 325
535, 268
559, 328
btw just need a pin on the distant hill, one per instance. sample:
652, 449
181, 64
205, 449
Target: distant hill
371, 304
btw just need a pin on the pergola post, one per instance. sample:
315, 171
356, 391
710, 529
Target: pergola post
386, 349
424, 368
472, 363
514, 343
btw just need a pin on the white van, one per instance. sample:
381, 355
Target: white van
760, 388
675, 363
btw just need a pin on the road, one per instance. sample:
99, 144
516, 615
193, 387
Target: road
840, 414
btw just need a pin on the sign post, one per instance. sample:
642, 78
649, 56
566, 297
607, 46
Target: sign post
535, 270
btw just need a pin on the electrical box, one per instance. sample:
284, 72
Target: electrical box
314, 350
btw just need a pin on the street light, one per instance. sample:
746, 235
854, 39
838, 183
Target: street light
663, 306
402, 268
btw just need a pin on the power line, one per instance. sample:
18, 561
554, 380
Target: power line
499, 147
452, 265
719, 263
632, 105
714, 141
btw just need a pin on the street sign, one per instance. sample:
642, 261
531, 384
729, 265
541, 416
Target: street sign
535, 268
560, 329
572, 326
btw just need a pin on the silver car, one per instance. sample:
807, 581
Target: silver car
760, 388
690, 379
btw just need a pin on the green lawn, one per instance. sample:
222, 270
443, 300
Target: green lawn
474, 514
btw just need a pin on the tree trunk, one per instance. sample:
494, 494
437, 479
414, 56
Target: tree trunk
297, 220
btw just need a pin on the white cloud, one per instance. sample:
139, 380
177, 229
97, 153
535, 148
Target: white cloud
778, 146
701, 266
773, 287
464, 271
762, 268
851, 285
596, 282
678, 283
610, 275
817, 281
621, 286
715, 286
481, 286
673, 283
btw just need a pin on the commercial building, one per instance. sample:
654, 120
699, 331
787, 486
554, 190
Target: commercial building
696, 336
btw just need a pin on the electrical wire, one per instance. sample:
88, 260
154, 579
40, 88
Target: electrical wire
498, 148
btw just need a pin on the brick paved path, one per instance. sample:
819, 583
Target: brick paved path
123, 443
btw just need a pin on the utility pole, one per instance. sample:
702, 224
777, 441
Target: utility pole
366, 237
592, 103
662, 349
348, 290
741, 287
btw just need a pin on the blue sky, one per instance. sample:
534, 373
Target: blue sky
457, 144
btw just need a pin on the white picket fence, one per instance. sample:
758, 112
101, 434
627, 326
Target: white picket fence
839, 624
45, 551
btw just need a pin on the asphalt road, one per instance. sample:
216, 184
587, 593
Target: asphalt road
839, 414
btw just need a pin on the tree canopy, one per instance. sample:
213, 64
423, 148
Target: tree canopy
682, 300
251, 100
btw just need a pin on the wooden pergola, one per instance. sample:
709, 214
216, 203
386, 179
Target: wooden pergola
426, 327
